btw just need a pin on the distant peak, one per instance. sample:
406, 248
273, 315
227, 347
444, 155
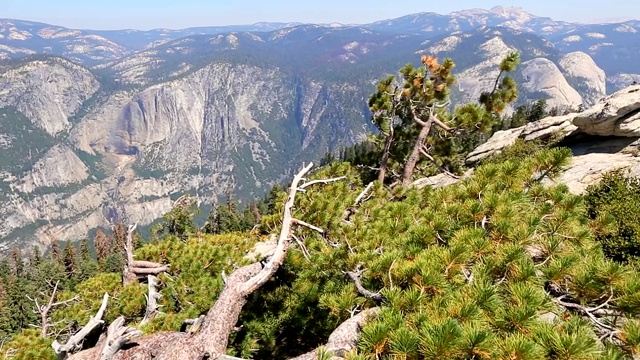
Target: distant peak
507, 10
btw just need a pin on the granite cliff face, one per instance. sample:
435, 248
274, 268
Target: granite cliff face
543, 75
83, 148
47, 92
132, 152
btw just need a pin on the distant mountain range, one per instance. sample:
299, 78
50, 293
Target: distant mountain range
96, 125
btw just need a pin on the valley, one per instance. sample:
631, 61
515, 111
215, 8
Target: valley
98, 126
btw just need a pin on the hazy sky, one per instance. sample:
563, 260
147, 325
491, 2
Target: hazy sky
147, 14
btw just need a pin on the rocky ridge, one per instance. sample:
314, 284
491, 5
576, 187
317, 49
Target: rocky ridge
603, 138
205, 115
132, 152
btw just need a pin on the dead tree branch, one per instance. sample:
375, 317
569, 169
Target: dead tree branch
345, 337
152, 299
74, 343
352, 209
220, 321
356, 277
136, 269
321, 181
194, 324
117, 337
43, 310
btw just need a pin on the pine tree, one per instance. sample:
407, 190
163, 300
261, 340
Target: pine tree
55, 253
5, 318
17, 262
415, 121
180, 220
119, 238
36, 257
104, 245
87, 265
69, 259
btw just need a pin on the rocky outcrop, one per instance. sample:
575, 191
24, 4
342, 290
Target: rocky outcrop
615, 115
552, 126
59, 167
583, 74
588, 168
47, 92
602, 139
543, 75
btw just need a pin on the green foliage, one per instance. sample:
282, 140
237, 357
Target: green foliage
523, 115
420, 247
614, 206
180, 220
226, 218
28, 345
414, 120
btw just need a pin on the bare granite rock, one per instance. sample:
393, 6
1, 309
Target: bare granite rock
615, 115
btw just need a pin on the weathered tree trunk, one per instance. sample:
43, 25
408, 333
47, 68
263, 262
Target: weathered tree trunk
152, 299
134, 269
74, 343
212, 339
410, 165
384, 161
43, 310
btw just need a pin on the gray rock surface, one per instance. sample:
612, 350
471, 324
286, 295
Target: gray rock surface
615, 115
133, 150
495, 144
543, 75
59, 167
583, 74
47, 92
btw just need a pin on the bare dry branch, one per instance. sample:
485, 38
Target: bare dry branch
43, 310
117, 337
212, 339
321, 181
75, 342
136, 269
345, 337
362, 194
307, 225
356, 275
152, 299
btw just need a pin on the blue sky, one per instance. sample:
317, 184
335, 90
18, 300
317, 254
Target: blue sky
147, 14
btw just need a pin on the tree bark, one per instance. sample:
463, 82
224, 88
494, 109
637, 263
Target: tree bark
212, 339
345, 337
410, 165
384, 161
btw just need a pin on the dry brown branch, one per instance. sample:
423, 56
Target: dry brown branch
118, 336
